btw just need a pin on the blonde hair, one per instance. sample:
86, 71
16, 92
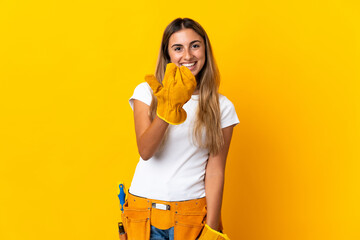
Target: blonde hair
208, 79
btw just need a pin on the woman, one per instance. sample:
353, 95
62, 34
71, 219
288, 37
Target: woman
183, 130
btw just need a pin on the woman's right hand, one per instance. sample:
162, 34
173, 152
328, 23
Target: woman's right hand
176, 89
178, 85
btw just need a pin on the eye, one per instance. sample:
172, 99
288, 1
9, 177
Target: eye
196, 46
177, 49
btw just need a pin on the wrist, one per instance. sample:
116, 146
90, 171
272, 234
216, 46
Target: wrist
161, 121
214, 226
171, 115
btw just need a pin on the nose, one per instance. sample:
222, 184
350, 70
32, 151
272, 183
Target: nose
187, 54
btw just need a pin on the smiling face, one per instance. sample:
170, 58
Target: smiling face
187, 48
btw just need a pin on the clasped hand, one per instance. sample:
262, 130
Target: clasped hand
176, 89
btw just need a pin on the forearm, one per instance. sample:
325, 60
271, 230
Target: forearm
150, 140
214, 186
214, 182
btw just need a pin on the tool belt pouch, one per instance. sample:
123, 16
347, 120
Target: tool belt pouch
188, 224
136, 222
161, 219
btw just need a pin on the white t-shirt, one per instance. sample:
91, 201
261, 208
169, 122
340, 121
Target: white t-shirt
176, 172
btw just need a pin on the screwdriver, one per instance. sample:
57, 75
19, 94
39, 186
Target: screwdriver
121, 196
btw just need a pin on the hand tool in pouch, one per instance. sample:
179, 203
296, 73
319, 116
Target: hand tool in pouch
121, 196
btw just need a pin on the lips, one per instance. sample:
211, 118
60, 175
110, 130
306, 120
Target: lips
190, 66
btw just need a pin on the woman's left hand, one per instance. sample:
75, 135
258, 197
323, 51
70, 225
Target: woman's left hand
210, 234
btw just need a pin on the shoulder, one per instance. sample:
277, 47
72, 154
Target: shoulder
143, 87
143, 93
227, 112
224, 102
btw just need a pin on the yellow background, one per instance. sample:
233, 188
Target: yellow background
291, 68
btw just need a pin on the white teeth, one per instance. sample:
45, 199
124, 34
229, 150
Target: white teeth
188, 64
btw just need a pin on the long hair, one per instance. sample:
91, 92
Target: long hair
208, 80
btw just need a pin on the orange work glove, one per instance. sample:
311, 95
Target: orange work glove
176, 89
210, 234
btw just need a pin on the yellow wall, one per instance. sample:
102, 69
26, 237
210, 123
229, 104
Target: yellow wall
291, 68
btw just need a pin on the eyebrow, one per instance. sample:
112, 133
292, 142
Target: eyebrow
181, 44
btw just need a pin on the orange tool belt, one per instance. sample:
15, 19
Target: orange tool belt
187, 217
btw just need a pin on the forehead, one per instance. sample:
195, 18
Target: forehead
184, 36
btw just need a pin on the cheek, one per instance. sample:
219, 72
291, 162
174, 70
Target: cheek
174, 58
202, 64
201, 55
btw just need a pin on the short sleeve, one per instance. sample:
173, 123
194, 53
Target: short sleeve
228, 113
142, 93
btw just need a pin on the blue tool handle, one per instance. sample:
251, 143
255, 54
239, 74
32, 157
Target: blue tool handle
121, 196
